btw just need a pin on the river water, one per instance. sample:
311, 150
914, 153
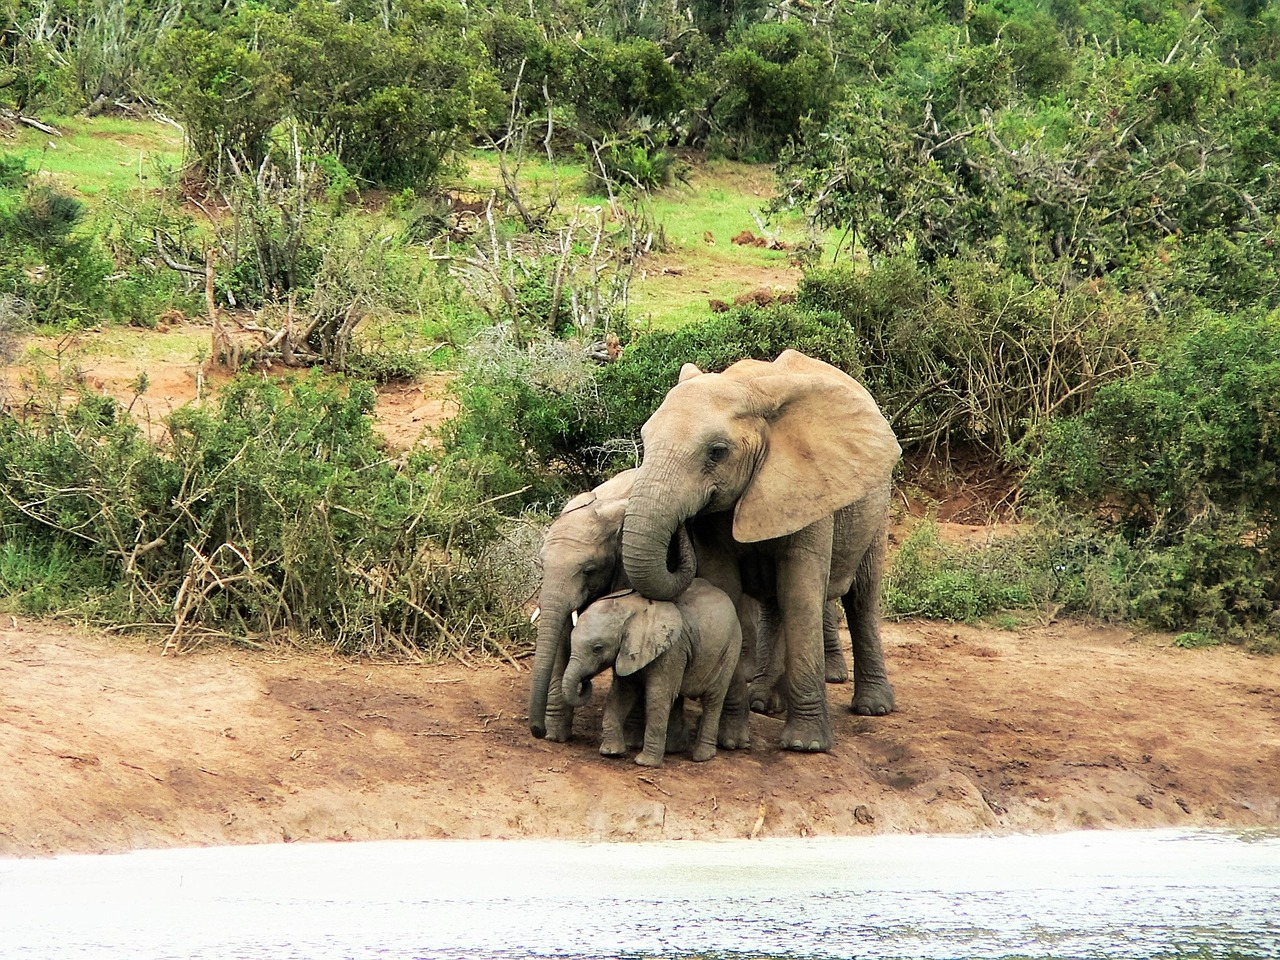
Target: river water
1100, 894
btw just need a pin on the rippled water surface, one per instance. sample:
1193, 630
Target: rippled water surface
1103, 894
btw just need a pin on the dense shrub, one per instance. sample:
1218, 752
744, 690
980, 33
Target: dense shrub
55, 271
392, 98
634, 164
965, 353
274, 512
225, 92
928, 578
773, 77
1183, 463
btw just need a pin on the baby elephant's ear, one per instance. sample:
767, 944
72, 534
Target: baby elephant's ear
647, 634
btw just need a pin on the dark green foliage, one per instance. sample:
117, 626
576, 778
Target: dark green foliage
226, 93
54, 268
775, 76
392, 99
14, 172
634, 164
1058, 158
613, 85
1183, 463
276, 511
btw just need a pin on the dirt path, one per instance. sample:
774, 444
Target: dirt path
107, 746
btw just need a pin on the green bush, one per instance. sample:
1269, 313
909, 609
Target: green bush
223, 89
393, 99
775, 76
274, 512
48, 262
962, 352
630, 165
1183, 465
928, 578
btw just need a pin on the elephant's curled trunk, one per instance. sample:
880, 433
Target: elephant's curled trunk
576, 684
657, 553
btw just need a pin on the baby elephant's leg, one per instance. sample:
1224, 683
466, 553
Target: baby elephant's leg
622, 697
657, 711
708, 726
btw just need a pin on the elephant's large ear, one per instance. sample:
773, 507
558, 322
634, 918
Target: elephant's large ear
578, 502
688, 372
828, 446
651, 631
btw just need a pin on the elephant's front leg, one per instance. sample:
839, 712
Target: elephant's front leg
623, 696
721, 569
658, 698
802, 573
768, 691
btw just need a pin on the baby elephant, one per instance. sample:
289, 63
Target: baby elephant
664, 649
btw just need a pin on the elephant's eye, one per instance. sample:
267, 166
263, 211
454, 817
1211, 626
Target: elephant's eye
597, 648
717, 451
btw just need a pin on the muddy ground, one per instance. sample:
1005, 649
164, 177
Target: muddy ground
105, 745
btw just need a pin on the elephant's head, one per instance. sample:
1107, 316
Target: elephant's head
624, 630
781, 444
580, 562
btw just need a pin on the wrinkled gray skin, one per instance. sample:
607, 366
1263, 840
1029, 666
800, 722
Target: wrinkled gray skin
661, 651
581, 562
781, 473
768, 690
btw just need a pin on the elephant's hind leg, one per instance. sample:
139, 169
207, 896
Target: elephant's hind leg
836, 669
872, 691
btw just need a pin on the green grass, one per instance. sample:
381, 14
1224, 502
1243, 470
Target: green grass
102, 154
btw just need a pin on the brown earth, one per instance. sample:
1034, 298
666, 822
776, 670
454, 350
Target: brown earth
105, 746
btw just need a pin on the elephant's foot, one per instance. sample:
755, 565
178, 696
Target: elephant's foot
766, 699
646, 759
808, 736
872, 698
735, 732
559, 728
702, 752
613, 748
836, 669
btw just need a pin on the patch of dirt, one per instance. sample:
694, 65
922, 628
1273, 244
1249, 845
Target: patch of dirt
110, 362
107, 746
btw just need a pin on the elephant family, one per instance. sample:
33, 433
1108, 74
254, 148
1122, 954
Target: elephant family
661, 650
781, 472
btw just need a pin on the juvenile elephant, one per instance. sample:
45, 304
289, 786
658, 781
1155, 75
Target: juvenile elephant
781, 473
660, 650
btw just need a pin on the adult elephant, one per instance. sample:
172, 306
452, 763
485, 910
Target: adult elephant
580, 562
781, 473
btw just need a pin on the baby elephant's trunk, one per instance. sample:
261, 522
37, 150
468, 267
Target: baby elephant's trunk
577, 684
